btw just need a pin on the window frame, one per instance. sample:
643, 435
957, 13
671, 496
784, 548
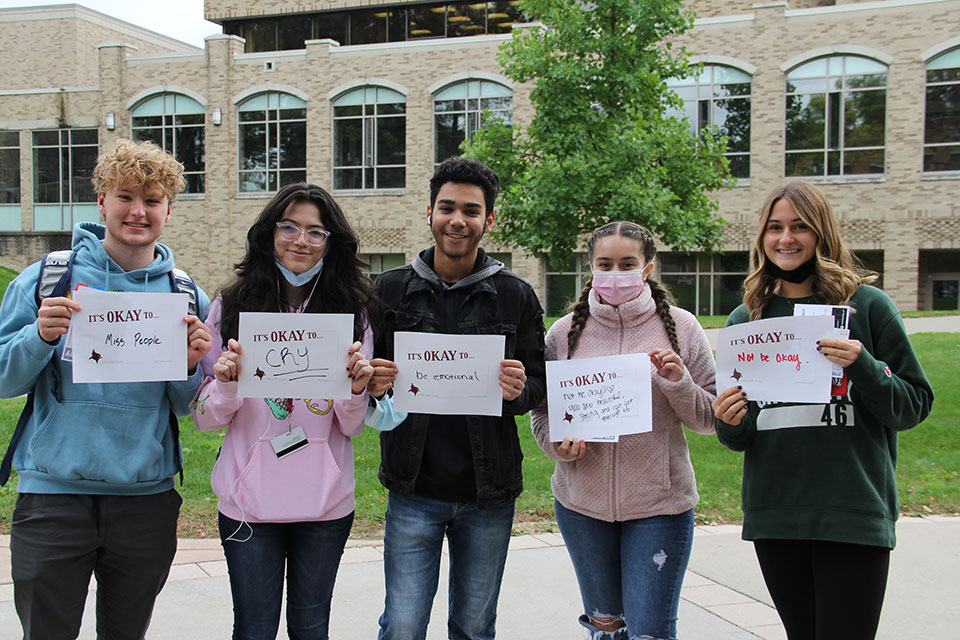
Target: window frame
370, 138
467, 112
71, 210
707, 93
828, 91
712, 272
954, 52
272, 131
170, 133
10, 211
580, 272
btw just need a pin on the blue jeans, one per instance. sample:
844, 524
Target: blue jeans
629, 572
311, 553
478, 541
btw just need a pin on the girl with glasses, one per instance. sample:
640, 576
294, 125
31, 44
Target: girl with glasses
625, 508
819, 481
293, 514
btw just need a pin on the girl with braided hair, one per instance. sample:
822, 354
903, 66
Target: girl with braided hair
625, 508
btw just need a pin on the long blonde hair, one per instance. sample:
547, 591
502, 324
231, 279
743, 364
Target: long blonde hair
838, 272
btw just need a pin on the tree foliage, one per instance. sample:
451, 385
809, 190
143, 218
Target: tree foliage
600, 146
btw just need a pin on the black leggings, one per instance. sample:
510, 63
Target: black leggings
825, 590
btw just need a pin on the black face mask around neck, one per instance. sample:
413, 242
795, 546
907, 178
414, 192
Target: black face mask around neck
795, 276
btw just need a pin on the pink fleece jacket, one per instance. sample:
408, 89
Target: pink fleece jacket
644, 474
314, 483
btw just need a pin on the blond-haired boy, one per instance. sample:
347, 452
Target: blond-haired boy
96, 462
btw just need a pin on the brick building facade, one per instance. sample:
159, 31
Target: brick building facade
364, 97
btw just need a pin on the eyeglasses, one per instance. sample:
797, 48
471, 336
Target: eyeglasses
291, 232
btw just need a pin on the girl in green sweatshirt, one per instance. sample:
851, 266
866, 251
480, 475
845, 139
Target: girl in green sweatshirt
819, 488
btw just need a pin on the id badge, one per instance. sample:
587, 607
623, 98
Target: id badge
289, 442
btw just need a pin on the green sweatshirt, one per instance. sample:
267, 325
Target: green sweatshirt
828, 471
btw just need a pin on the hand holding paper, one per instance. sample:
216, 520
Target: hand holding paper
358, 369
840, 351
384, 375
731, 405
53, 317
227, 366
199, 341
513, 378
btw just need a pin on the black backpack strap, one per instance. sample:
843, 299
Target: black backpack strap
181, 282
53, 282
177, 451
7, 463
54, 278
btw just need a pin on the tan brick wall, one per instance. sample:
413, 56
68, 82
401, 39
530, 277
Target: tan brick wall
899, 214
59, 48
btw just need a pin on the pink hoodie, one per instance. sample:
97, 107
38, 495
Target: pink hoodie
254, 485
644, 474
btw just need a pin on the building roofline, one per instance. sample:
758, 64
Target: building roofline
68, 11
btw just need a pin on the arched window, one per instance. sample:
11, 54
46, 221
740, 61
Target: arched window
458, 110
370, 139
720, 98
174, 122
273, 141
941, 131
836, 117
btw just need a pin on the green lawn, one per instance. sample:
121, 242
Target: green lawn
927, 473
6, 275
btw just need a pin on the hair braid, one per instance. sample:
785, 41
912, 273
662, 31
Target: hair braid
663, 300
581, 311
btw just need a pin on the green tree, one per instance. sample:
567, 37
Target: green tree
600, 146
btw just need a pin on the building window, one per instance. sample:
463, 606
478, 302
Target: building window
380, 262
564, 284
705, 284
63, 161
273, 141
719, 98
458, 112
941, 136
174, 123
505, 257
10, 181
370, 139
379, 24
836, 117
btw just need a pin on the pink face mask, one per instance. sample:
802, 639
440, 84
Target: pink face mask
617, 287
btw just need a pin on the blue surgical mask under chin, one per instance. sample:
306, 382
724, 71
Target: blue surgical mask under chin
298, 279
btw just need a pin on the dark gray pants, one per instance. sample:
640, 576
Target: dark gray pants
58, 540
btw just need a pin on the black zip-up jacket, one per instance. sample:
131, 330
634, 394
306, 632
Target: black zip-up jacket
497, 302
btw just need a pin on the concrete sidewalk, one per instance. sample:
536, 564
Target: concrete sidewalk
723, 595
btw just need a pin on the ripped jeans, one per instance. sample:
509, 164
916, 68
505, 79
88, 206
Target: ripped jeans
628, 571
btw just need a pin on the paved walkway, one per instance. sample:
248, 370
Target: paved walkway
723, 595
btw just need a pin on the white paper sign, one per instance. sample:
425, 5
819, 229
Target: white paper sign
294, 355
599, 399
776, 359
448, 374
841, 329
129, 337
